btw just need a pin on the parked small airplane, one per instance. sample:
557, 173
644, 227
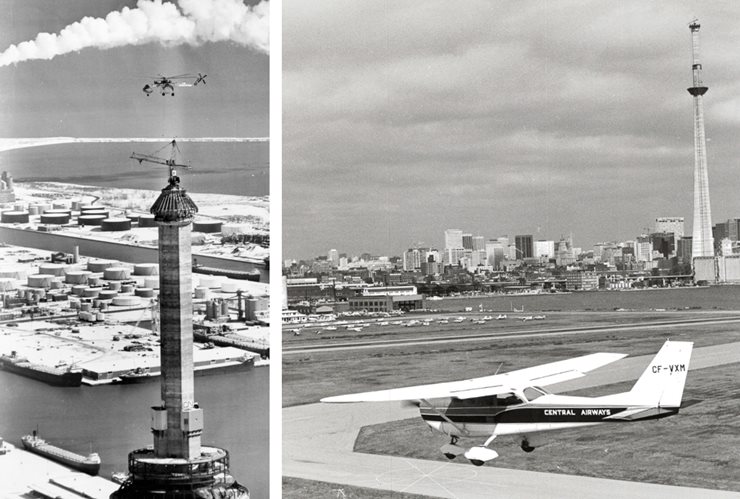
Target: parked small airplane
515, 403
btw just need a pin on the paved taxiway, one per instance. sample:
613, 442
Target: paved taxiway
318, 441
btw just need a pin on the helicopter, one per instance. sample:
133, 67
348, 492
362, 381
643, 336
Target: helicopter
168, 83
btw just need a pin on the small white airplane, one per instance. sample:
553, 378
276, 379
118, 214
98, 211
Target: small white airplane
515, 403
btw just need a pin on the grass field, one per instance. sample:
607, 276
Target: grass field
699, 447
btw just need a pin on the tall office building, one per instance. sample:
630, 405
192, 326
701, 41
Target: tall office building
670, 224
524, 246
177, 466
467, 241
333, 257
702, 242
453, 239
544, 249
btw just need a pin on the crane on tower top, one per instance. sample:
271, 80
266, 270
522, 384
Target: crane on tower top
171, 162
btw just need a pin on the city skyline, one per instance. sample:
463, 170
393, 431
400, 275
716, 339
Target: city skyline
572, 118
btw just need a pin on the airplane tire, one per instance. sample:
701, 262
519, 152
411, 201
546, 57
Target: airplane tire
449, 455
526, 447
477, 462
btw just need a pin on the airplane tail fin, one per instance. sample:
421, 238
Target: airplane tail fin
663, 381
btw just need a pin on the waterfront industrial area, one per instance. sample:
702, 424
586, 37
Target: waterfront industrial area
79, 272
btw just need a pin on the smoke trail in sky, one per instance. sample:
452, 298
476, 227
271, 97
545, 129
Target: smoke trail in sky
191, 22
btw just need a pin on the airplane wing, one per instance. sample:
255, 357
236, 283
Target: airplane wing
545, 374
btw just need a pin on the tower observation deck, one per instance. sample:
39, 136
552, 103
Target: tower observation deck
702, 241
177, 466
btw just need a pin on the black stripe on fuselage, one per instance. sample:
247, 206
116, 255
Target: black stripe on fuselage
536, 415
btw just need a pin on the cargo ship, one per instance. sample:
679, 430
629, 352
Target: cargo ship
143, 375
56, 376
88, 464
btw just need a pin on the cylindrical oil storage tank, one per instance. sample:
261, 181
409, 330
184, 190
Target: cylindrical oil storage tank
8, 284
13, 272
104, 305
86, 306
114, 286
58, 211
94, 279
76, 205
89, 207
126, 301
127, 288
100, 316
144, 292
146, 269
55, 218
100, 265
57, 269
60, 205
79, 289
116, 224
94, 220
116, 274
147, 221
151, 283
229, 286
91, 293
133, 217
33, 209
39, 207
40, 281
19, 207
77, 276
58, 296
55, 284
202, 293
207, 226
14, 217
107, 294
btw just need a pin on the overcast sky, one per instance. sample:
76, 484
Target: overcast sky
97, 93
402, 119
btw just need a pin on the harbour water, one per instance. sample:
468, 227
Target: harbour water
700, 298
219, 168
113, 420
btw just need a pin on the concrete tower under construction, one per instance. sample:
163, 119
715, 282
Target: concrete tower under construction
177, 466
702, 241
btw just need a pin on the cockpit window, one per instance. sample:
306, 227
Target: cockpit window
503, 399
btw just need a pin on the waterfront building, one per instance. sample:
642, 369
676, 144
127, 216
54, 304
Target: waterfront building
579, 280
412, 259
494, 254
386, 299
479, 243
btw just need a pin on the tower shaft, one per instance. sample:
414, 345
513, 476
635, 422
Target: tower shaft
702, 241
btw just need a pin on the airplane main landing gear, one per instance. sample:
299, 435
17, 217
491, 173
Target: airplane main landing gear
452, 450
525, 446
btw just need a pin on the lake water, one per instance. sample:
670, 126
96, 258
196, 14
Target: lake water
705, 298
113, 420
219, 168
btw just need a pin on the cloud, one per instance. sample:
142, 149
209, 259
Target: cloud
191, 22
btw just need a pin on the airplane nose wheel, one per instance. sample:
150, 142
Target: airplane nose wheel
476, 462
450, 456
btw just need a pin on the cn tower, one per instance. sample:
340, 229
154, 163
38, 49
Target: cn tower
702, 242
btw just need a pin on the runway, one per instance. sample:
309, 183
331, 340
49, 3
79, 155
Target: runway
318, 441
489, 336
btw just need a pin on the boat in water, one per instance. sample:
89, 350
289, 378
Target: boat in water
143, 375
57, 376
89, 464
